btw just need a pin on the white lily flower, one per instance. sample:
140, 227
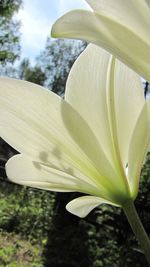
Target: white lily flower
94, 141
120, 27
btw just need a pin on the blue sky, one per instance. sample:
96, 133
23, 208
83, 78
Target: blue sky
37, 17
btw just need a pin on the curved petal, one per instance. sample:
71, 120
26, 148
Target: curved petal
22, 170
129, 44
133, 14
82, 206
32, 121
138, 148
78, 24
128, 96
86, 92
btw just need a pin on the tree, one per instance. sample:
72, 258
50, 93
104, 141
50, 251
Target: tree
31, 74
56, 61
9, 31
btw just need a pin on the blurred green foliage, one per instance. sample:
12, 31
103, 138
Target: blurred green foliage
32, 74
9, 31
8, 7
26, 211
56, 61
18, 252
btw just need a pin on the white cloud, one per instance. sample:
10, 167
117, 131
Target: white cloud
34, 29
37, 18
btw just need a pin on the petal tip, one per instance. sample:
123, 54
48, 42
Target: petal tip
73, 211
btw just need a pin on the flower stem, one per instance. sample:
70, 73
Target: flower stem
137, 228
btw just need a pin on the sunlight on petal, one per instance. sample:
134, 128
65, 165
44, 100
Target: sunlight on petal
122, 28
82, 206
20, 169
90, 84
35, 127
128, 92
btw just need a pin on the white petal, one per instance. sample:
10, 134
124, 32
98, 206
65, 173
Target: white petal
74, 25
22, 170
131, 13
108, 176
41, 125
32, 121
82, 206
127, 96
129, 100
138, 148
86, 92
125, 37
